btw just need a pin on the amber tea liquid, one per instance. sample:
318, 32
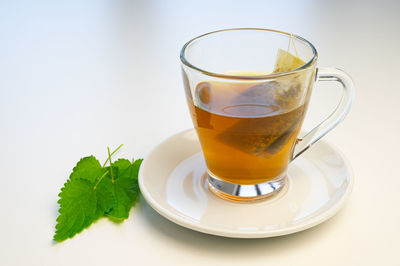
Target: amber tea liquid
247, 133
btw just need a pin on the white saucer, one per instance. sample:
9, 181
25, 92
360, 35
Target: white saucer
172, 181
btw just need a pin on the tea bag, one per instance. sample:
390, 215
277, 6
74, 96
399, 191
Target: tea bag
285, 61
260, 94
267, 135
291, 87
262, 135
291, 90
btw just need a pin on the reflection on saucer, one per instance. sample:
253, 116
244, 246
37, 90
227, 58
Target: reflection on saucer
187, 179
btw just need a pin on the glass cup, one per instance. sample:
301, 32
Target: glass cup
248, 91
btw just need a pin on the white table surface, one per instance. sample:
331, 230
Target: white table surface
78, 76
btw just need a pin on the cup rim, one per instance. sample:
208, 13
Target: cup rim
248, 77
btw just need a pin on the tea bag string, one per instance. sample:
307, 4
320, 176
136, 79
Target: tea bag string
294, 45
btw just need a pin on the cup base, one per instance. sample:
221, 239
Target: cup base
246, 193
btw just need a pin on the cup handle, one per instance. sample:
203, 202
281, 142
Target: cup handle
341, 110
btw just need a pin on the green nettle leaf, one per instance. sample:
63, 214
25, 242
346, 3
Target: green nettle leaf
87, 168
81, 203
134, 170
122, 164
125, 187
105, 198
93, 191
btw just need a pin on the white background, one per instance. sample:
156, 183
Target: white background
78, 76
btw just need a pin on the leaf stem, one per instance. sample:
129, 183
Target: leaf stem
98, 181
109, 158
111, 171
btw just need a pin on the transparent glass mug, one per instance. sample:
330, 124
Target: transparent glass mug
247, 110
